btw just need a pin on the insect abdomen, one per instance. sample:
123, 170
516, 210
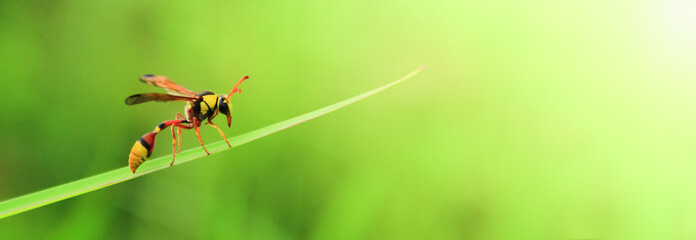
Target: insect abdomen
141, 151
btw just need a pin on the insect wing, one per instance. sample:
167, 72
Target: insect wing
164, 82
159, 97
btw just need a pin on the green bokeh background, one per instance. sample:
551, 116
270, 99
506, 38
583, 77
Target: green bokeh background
533, 120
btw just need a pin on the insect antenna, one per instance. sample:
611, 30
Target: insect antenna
235, 89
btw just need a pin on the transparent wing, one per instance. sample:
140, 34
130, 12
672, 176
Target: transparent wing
164, 82
159, 97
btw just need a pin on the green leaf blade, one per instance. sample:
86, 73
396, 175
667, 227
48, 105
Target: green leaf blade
44, 197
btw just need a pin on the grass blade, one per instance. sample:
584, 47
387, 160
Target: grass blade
85, 185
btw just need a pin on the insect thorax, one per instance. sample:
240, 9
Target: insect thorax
203, 107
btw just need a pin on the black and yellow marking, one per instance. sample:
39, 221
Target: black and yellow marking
204, 106
141, 151
159, 128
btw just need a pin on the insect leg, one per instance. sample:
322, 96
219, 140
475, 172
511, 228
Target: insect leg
173, 144
179, 116
179, 149
221, 133
178, 126
196, 124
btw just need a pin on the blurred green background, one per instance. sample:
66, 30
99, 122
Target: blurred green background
533, 120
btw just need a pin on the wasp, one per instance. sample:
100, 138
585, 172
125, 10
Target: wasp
202, 106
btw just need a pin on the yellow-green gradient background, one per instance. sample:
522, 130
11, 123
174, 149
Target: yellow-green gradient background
536, 119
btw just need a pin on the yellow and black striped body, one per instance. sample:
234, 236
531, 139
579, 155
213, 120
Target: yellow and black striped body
204, 107
201, 106
141, 151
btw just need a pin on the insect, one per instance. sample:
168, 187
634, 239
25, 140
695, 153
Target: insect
201, 106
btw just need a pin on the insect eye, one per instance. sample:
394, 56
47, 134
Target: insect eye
224, 108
